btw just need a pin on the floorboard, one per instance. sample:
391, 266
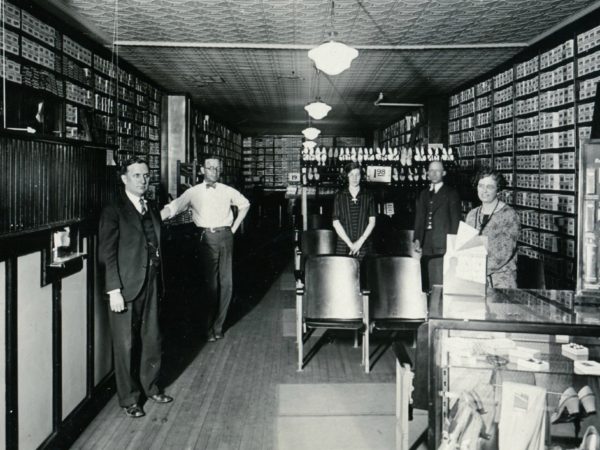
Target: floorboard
227, 393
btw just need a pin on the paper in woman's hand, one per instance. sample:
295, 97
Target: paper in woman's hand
465, 262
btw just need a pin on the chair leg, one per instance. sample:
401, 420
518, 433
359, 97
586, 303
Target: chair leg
366, 350
355, 338
299, 333
366, 334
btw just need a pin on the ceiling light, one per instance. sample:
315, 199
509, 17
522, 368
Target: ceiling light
311, 133
333, 57
309, 144
317, 109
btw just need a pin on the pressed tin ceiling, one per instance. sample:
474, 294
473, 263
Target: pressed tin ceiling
246, 60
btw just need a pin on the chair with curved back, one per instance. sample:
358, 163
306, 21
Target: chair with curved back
396, 299
313, 242
330, 298
530, 273
405, 243
319, 222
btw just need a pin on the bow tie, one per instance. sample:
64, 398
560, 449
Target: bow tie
211, 185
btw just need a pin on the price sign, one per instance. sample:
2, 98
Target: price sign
379, 174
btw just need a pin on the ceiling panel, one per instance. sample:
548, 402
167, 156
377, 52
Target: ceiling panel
264, 90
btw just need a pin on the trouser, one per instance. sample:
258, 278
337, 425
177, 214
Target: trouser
432, 271
137, 344
216, 255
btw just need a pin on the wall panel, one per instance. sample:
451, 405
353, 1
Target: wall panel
35, 353
74, 340
102, 340
2, 353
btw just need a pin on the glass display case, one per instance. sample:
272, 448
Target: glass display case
508, 352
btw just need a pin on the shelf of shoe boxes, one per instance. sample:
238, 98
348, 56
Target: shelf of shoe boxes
268, 161
552, 101
32, 53
214, 138
43, 58
138, 123
404, 132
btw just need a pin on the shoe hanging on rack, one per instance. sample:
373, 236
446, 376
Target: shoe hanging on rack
588, 401
568, 407
591, 439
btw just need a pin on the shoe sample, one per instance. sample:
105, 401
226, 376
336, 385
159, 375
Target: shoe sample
211, 337
568, 407
219, 336
588, 401
135, 411
591, 439
161, 398
403, 156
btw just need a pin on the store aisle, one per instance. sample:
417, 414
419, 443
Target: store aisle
243, 392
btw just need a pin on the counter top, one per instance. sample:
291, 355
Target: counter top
523, 306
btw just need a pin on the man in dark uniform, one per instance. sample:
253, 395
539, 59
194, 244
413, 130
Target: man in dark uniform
129, 252
437, 215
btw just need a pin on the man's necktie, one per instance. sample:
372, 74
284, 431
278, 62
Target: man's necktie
143, 205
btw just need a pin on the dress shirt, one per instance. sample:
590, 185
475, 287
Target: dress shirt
435, 187
211, 208
136, 201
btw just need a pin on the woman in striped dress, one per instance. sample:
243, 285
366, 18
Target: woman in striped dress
353, 215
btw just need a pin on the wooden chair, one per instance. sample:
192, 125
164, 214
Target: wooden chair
313, 242
530, 273
396, 300
319, 222
331, 298
405, 243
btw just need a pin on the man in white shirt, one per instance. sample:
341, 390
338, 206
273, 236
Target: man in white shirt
211, 202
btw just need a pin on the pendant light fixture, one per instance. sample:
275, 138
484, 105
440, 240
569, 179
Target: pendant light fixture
333, 57
311, 133
317, 109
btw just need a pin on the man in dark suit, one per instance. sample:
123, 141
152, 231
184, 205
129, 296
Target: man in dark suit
437, 214
129, 252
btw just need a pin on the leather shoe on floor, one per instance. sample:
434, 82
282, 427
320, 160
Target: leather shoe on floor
211, 338
219, 336
161, 398
134, 411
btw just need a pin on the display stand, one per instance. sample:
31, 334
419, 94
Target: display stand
518, 333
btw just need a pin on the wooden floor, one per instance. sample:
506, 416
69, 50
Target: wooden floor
226, 393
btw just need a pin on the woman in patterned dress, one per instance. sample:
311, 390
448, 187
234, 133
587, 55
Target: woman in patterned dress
500, 223
353, 215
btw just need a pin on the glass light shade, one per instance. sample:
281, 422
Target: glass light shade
311, 133
317, 109
309, 144
333, 57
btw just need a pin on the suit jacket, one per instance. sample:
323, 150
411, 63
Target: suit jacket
122, 247
446, 215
